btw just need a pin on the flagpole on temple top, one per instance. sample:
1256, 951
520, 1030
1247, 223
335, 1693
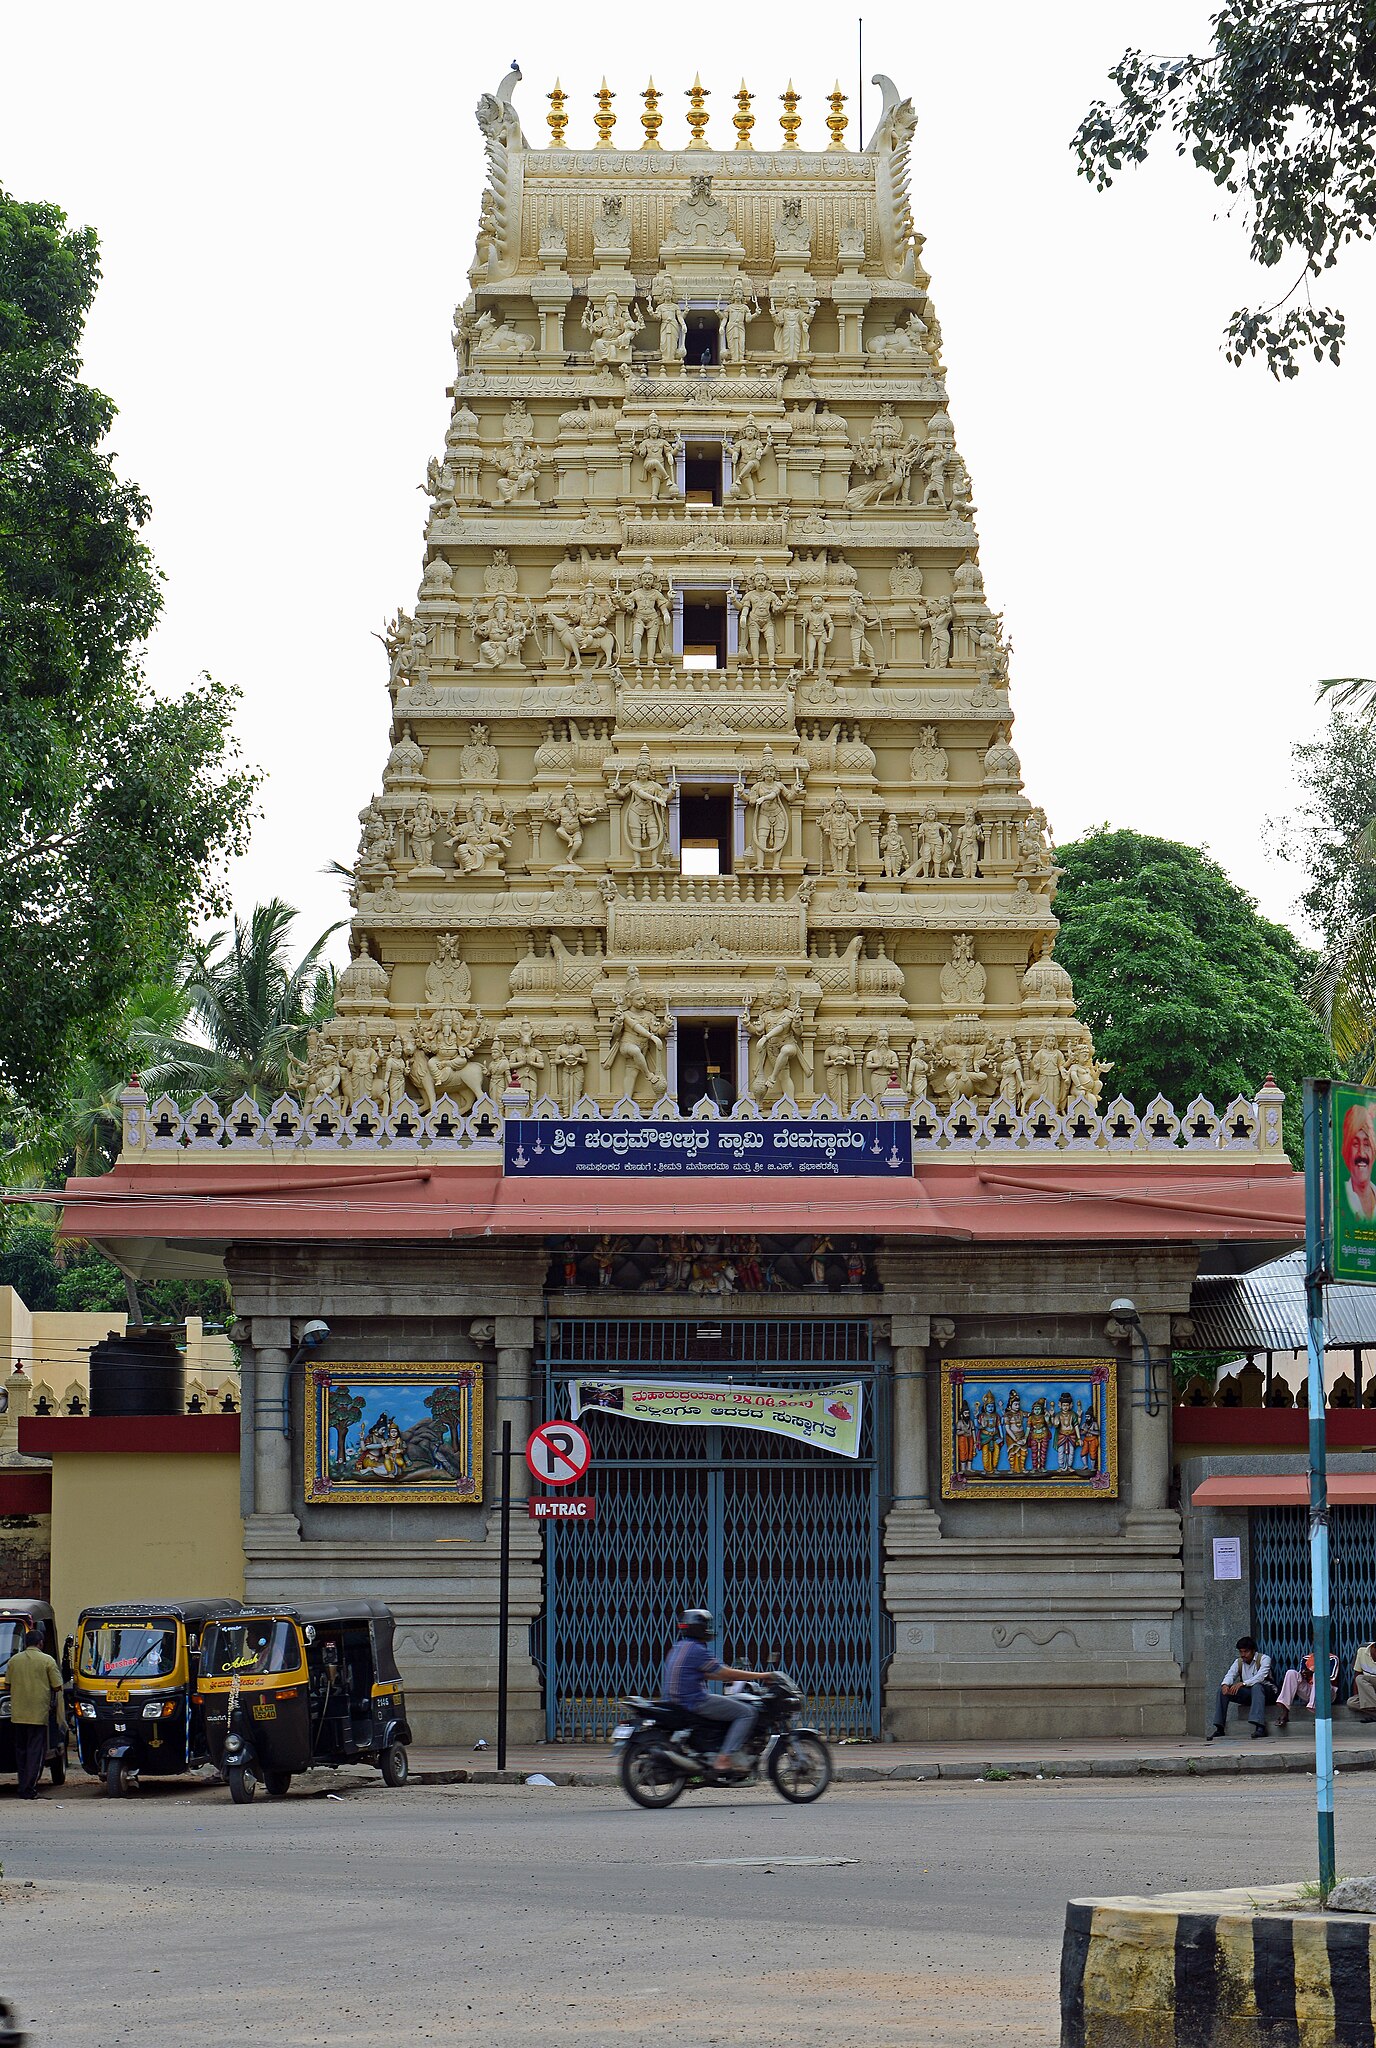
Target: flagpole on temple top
1318, 1130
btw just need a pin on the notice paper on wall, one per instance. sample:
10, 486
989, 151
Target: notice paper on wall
1227, 1557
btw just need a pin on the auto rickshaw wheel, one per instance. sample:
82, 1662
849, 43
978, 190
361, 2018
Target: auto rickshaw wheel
242, 1784
117, 1777
276, 1783
394, 1764
57, 1768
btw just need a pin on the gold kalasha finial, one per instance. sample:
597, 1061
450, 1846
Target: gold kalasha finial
651, 120
837, 122
743, 120
557, 118
604, 120
790, 120
697, 97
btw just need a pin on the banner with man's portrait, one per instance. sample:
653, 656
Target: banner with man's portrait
1354, 1183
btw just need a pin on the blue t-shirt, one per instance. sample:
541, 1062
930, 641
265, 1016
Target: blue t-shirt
685, 1668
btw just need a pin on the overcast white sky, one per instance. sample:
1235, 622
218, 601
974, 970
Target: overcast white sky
286, 198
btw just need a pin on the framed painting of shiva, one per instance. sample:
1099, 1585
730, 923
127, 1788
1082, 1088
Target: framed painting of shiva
1029, 1428
381, 1434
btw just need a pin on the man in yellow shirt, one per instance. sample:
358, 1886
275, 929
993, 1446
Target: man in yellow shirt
35, 1684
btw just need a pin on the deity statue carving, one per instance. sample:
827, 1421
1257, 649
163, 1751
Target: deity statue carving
673, 321
766, 797
1046, 1076
792, 231
839, 1061
423, 823
881, 1064
439, 486
448, 981
517, 464
893, 851
792, 315
639, 1028
569, 1060
659, 452
776, 1026
969, 1070
959, 500
906, 342
839, 826
969, 844
757, 607
937, 616
492, 337
501, 629
819, 629
862, 615
928, 761
612, 328
917, 1076
479, 760
582, 625
1034, 855
963, 978
483, 835
376, 840
569, 813
462, 335
741, 307
515, 1061
931, 848
746, 450
403, 643
1011, 1080
649, 615
452, 1055
644, 812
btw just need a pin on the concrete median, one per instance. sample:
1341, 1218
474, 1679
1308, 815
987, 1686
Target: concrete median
1251, 1968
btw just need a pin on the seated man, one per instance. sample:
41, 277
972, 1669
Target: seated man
1363, 1698
1248, 1678
1301, 1684
688, 1664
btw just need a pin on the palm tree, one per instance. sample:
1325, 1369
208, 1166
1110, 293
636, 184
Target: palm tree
1342, 989
248, 1012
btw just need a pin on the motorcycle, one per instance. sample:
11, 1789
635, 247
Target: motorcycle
665, 1751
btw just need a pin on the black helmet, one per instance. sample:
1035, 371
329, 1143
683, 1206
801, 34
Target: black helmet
697, 1622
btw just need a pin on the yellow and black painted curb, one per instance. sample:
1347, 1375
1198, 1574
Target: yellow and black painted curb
1216, 1970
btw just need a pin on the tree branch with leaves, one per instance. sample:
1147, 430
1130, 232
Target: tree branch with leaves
1281, 114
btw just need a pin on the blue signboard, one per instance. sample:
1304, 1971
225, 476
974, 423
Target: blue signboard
731, 1147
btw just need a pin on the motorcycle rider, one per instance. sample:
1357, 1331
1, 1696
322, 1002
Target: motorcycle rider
689, 1664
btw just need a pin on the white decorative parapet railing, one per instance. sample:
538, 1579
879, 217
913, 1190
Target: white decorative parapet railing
1247, 1128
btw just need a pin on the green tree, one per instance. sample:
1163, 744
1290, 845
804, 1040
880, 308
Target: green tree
117, 808
50, 1273
248, 1012
1188, 989
345, 1409
1280, 112
446, 1404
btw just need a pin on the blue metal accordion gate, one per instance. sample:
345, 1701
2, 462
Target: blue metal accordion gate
781, 1541
1281, 1619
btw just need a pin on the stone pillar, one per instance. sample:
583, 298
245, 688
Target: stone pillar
271, 1449
1150, 1466
513, 1406
911, 1482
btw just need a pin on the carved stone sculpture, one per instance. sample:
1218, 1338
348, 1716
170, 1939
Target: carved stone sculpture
907, 342
638, 1032
747, 451
673, 322
612, 328
928, 761
757, 607
644, 812
583, 626
569, 1060
766, 797
839, 826
659, 452
500, 629
838, 1064
482, 836
792, 315
649, 616
963, 978
569, 813
741, 307
776, 1026
479, 760
492, 337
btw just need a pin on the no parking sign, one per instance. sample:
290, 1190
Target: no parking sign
558, 1453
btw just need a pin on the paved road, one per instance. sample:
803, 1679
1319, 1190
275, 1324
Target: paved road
518, 1916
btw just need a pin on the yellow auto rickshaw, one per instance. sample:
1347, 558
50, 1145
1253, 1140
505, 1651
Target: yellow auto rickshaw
286, 1689
17, 1617
134, 1675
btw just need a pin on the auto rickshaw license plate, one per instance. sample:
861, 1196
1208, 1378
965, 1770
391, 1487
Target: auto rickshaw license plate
265, 1710
117, 1694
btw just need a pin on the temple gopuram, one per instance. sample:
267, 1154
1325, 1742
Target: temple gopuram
703, 1075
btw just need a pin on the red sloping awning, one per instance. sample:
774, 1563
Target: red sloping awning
1284, 1490
1144, 1200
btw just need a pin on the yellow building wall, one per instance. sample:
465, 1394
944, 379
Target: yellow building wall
133, 1525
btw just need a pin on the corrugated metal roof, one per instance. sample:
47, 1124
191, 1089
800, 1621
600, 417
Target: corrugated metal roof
1264, 1310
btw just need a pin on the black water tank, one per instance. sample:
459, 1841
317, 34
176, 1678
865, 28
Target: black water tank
140, 1373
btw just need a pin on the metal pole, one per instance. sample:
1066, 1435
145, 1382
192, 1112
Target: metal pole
504, 1597
1318, 1121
